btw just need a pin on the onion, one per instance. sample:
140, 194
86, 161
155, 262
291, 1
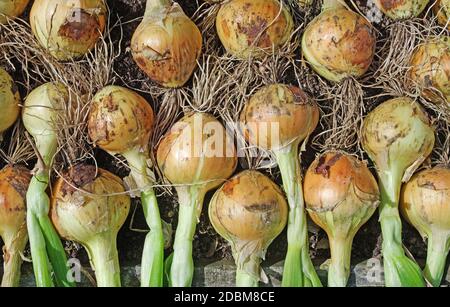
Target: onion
14, 182
83, 210
442, 10
12, 8
249, 211
339, 43
196, 155
68, 29
278, 118
121, 122
430, 69
426, 204
9, 101
398, 136
253, 27
40, 111
341, 194
166, 44
401, 9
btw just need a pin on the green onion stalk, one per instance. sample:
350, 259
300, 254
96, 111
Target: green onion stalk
279, 118
89, 206
48, 254
196, 155
425, 203
398, 137
121, 122
249, 211
14, 182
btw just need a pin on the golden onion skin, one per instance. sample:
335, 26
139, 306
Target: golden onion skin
339, 43
253, 27
249, 207
183, 154
120, 120
166, 46
425, 201
340, 186
442, 10
9, 101
401, 9
68, 29
430, 68
81, 216
292, 113
12, 8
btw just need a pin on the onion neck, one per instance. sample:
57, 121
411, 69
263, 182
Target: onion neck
155, 7
339, 270
331, 4
190, 200
47, 146
105, 260
298, 267
12, 259
243, 278
438, 249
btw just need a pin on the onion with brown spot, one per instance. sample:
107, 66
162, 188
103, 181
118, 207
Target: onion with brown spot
341, 194
249, 211
196, 155
253, 27
279, 118
430, 69
401, 9
14, 181
339, 43
68, 29
90, 206
9, 101
167, 44
12, 9
425, 202
442, 10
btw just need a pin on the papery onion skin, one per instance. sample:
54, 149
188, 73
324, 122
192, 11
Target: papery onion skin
430, 69
9, 101
14, 181
120, 120
339, 43
84, 211
401, 9
183, 157
253, 27
12, 8
166, 46
442, 10
425, 203
292, 113
249, 211
68, 29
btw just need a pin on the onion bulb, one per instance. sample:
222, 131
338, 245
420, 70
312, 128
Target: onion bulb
249, 211
430, 69
426, 205
278, 118
121, 122
339, 43
9, 101
166, 44
442, 10
196, 155
83, 210
39, 115
398, 137
70, 28
341, 194
14, 182
12, 8
401, 9
253, 27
